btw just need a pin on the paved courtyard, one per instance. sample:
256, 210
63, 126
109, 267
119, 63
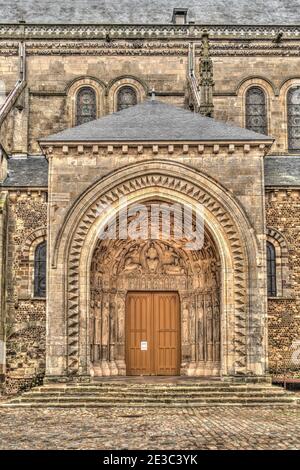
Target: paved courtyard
161, 429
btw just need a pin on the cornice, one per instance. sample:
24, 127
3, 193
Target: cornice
147, 47
155, 149
135, 31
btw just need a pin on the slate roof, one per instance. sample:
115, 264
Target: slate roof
255, 12
282, 171
26, 172
154, 121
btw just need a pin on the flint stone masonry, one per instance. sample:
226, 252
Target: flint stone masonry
25, 315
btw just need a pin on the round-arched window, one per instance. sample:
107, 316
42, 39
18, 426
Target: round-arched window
256, 110
126, 97
293, 104
85, 105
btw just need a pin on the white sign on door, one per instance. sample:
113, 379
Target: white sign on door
144, 345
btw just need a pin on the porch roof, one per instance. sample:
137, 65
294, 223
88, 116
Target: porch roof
154, 121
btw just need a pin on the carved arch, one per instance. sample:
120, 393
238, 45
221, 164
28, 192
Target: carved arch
226, 222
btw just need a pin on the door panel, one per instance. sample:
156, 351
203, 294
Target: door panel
152, 318
139, 307
166, 333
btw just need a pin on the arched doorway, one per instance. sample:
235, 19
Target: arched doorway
155, 307
242, 286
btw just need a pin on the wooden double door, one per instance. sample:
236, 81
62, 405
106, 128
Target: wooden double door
152, 333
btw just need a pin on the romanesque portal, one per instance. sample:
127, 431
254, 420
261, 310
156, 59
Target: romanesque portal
220, 319
155, 308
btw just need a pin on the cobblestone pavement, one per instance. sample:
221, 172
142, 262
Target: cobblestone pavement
185, 429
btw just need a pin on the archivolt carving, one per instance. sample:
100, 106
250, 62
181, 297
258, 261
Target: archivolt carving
182, 186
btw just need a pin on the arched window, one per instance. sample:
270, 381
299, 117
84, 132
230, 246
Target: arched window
256, 110
40, 270
293, 104
271, 270
85, 105
126, 97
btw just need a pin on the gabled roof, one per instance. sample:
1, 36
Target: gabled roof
154, 121
255, 12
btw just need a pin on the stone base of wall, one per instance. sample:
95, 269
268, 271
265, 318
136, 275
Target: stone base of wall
25, 360
16, 385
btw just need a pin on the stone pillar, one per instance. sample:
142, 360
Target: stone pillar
56, 337
20, 124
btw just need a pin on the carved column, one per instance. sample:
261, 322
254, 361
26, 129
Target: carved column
185, 345
120, 333
112, 336
105, 335
206, 80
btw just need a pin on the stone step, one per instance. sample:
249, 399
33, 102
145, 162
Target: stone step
113, 404
110, 394
138, 385
146, 393
150, 398
107, 389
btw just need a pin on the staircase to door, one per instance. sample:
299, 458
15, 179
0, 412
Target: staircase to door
152, 333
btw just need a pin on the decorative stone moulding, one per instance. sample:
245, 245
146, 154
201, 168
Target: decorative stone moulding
90, 32
239, 49
191, 149
282, 193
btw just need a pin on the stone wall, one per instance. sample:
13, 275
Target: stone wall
283, 214
26, 315
54, 69
3, 236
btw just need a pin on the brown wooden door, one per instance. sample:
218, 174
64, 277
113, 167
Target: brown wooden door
152, 333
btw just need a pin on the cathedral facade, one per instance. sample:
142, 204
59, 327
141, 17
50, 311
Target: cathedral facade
115, 121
